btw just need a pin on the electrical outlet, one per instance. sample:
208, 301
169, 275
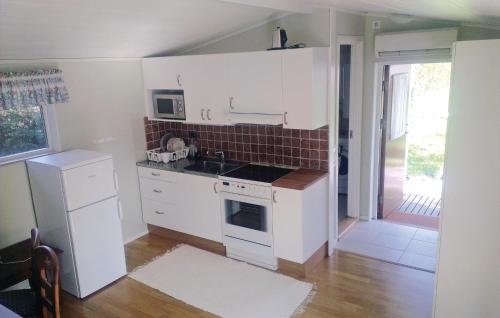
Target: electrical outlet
376, 25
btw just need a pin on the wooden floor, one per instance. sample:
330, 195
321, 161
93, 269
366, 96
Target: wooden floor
420, 205
347, 286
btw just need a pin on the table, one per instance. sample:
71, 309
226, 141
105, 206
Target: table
11, 274
7, 313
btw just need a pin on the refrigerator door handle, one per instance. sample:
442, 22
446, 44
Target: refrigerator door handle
120, 211
115, 179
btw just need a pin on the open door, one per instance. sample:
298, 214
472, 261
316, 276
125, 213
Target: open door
396, 93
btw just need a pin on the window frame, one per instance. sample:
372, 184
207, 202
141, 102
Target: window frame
53, 141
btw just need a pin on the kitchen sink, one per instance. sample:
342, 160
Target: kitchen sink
213, 167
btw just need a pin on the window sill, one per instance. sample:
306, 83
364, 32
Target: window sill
25, 156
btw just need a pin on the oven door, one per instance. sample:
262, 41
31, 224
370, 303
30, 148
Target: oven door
246, 218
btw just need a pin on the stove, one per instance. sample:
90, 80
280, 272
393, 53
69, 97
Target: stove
247, 213
265, 174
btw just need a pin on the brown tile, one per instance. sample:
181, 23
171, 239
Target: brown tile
296, 152
262, 139
287, 151
278, 131
270, 140
304, 144
287, 161
270, 149
314, 134
314, 164
323, 155
287, 132
262, 148
261, 130
247, 156
304, 134
254, 139
246, 139
254, 148
304, 153
313, 154
253, 130
246, 129
278, 150
296, 162
278, 160
323, 144
296, 133
323, 134
304, 163
323, 165
295, 142
314, 144
287, 142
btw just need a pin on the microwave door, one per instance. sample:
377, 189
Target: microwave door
165, 106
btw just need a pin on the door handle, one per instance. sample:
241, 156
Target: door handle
202, 114
157, 191
208, 114
115, 179
120, 211
274, 197
231, 98
285, 120
215, 187
179, 80
159, 212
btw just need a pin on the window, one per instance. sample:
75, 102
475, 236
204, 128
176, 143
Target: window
24, 132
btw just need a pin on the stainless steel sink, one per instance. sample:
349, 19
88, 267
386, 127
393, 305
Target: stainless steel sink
213, 167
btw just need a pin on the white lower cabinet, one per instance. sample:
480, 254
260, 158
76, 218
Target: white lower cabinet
190, 204
300, 221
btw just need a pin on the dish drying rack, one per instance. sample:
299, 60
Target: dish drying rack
157, 155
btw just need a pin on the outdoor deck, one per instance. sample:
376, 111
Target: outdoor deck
420, 205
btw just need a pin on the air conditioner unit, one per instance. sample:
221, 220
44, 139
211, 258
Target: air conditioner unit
434, 42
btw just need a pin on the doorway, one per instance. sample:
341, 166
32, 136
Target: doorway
413, 134
350, 68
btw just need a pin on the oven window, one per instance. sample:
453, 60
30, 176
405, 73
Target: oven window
250, 216
165, 106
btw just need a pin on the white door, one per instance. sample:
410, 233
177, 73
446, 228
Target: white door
97, 245
205, 90
255, 82
89, 184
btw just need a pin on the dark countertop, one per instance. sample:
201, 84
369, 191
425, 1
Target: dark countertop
179, 165
300, 179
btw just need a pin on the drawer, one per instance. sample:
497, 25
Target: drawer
157, 174
159, 190
162, 214
88, 184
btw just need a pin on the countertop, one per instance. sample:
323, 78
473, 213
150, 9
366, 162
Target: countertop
300, 179
176, 166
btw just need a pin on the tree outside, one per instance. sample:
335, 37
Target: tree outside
427, 119
22, 130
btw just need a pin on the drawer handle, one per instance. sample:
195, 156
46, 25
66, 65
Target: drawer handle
155, 174
274, 197
159, 212
157, 191
91, 176
285, 120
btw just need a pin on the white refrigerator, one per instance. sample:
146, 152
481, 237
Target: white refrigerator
75, 195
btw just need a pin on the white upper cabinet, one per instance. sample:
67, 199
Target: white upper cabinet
305, 79
255, 82
286, 87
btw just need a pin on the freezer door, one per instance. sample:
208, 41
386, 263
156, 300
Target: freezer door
97, 245
89, 184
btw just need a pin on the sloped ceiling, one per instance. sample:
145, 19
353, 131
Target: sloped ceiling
37, 29
479, 12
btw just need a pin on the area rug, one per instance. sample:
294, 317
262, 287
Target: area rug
223, 286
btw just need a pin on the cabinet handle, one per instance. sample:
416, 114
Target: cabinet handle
120, 211
274, 197
285, 121
155, 174
202, 114
179, 80
208, 114
159, 212
157, 191
231, 98
215, 187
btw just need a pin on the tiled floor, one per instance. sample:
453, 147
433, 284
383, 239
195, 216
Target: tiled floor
392, 242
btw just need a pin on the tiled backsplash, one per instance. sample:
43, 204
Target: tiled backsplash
256, 143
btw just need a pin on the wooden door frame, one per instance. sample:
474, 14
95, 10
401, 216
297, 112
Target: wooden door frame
378, 104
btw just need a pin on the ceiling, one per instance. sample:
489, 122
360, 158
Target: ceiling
34, 29
479, 12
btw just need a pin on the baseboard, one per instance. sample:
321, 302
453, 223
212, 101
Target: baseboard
135, 237
302, 270
209, 245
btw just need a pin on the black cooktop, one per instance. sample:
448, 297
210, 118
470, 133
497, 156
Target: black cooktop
259, 173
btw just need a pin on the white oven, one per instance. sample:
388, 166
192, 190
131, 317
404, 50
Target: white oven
247, 225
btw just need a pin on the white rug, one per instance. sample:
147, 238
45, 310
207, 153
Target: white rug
223, 286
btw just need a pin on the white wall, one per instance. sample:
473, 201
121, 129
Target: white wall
107, 100
468, 273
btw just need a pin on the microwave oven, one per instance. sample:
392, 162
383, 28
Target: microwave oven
169, 104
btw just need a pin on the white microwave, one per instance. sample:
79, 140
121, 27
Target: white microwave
169, 104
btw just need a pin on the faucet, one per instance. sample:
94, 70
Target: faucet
220, 155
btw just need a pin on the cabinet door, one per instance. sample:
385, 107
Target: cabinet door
201, 207
164, 72
255, 82
287, 224
205, 90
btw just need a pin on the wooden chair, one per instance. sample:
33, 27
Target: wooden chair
25, 302
47, 265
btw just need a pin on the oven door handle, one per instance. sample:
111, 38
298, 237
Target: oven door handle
274, 197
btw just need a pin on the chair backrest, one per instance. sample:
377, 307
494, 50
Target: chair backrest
35, 242
47, 265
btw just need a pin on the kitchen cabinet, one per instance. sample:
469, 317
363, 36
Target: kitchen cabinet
305, 88
300, 221
286, 87
181, 202
254, 82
